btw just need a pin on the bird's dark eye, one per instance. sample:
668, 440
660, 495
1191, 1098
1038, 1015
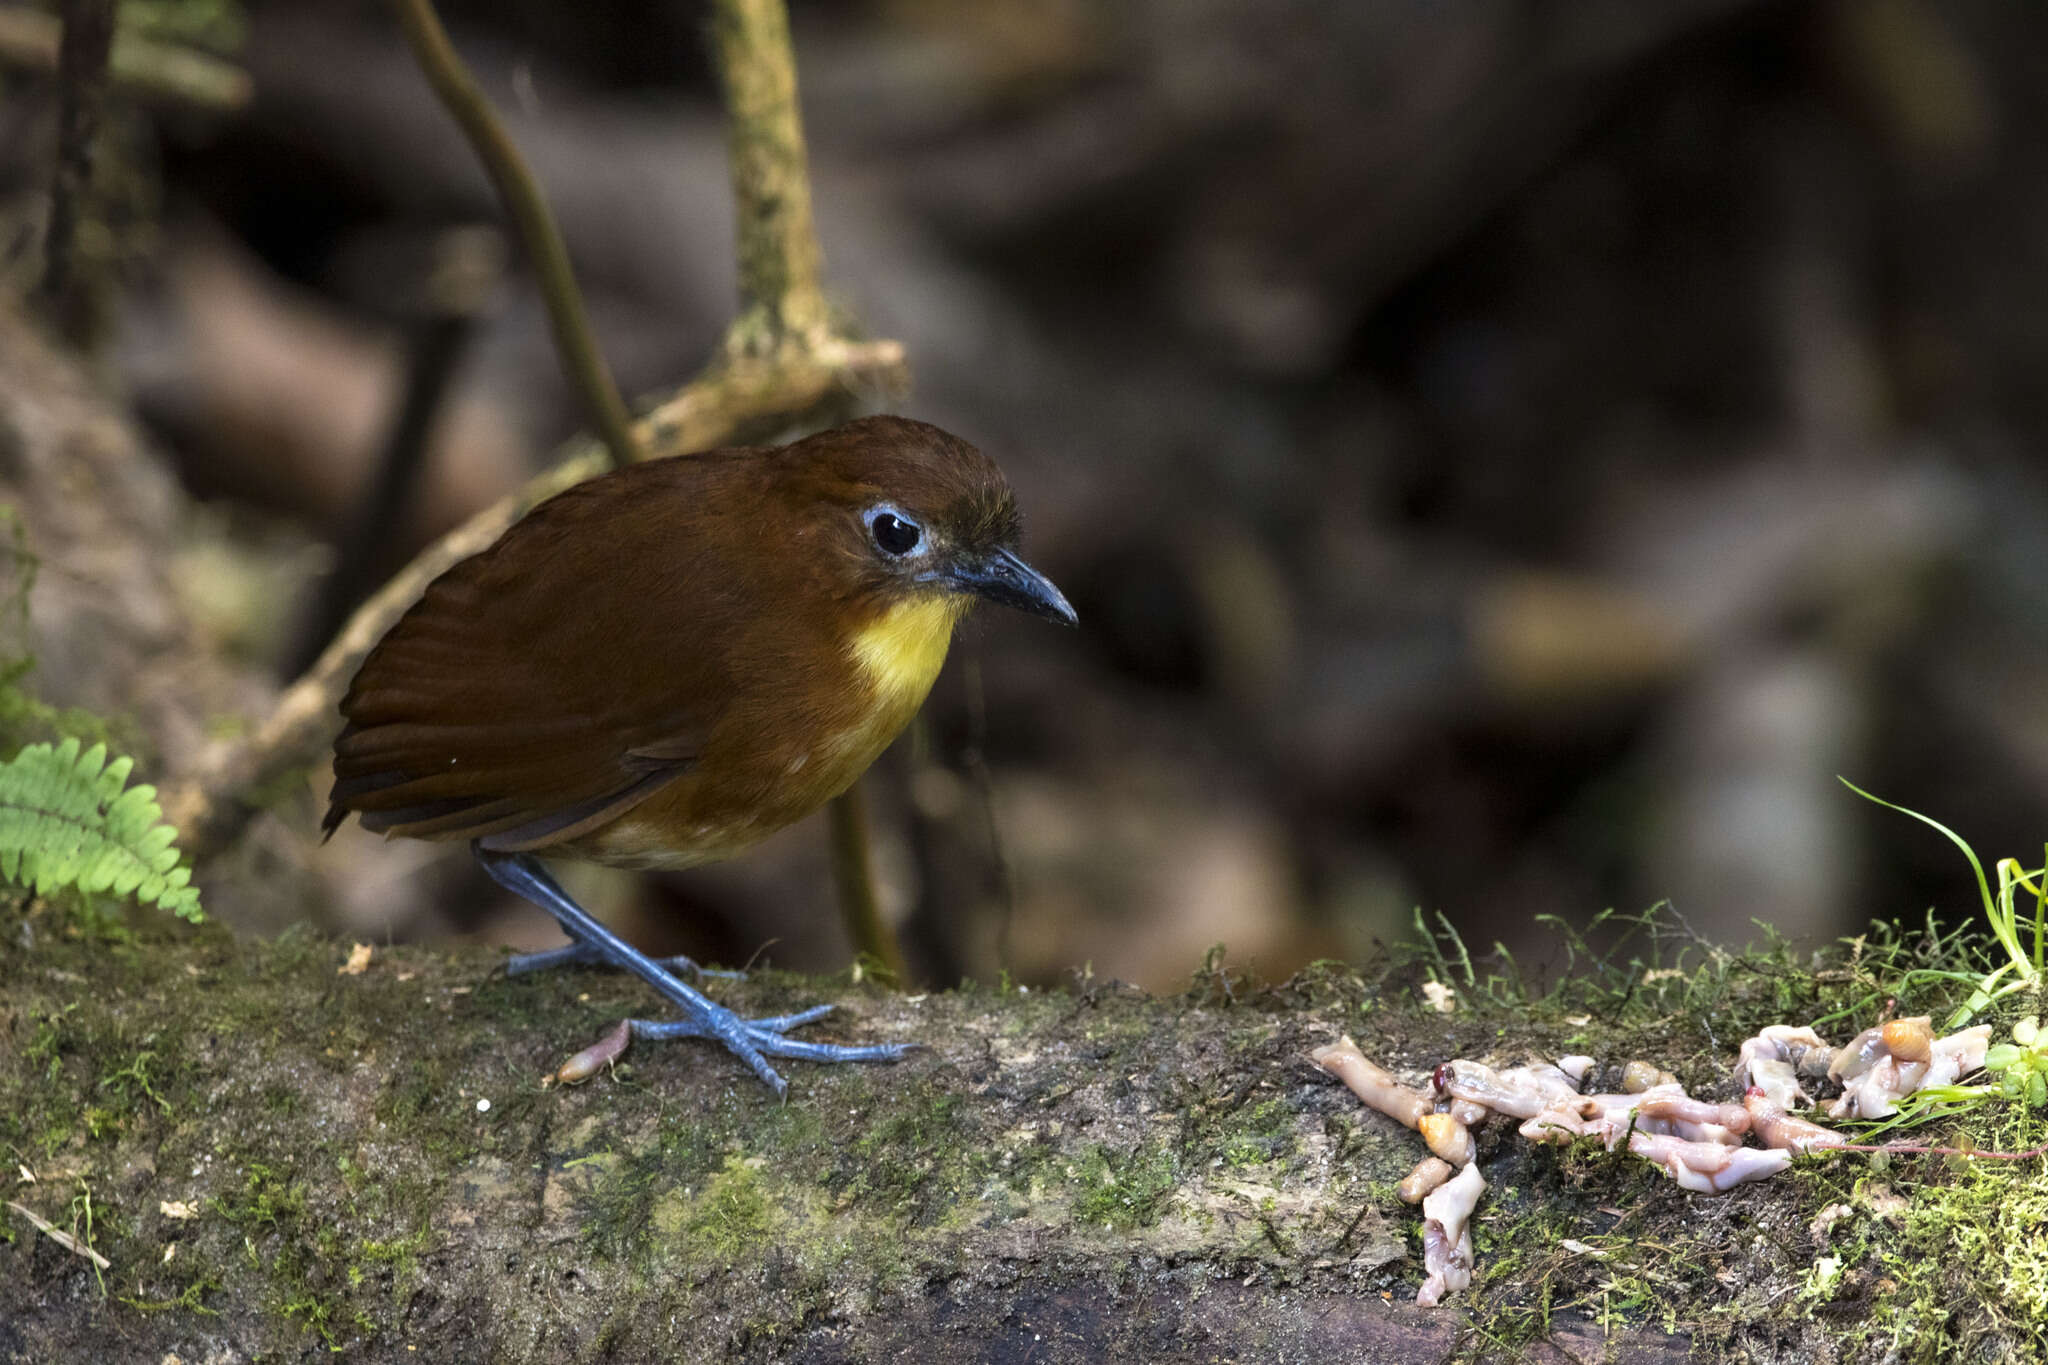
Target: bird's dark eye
894, 533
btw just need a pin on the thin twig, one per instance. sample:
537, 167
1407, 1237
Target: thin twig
974, 757
582, 364
783, 312
1922, 1149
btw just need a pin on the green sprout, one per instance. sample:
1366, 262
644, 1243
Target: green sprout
2022, 1064
2023, 968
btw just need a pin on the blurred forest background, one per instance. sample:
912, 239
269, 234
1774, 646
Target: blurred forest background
1509, 457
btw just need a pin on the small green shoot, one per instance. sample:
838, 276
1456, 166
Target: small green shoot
2022, 1064
1452, 968
2002, 911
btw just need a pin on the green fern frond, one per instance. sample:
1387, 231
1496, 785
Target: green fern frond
71, 819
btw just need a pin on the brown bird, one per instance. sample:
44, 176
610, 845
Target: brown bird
660, 667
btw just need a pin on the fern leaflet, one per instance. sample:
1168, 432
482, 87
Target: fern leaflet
70, 819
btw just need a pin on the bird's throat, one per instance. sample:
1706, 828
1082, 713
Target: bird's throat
901, 651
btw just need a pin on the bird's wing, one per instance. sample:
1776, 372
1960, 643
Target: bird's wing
540, 689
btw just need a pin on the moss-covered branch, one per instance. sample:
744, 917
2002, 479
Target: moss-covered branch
781, 303
274, 1154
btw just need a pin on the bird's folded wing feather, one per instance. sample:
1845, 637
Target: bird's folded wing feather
528, 697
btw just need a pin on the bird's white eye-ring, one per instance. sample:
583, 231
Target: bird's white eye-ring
895, 534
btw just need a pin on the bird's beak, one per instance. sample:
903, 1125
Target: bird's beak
1001, 576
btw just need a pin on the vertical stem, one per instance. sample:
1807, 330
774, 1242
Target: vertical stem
582, 363
82, 86
2040, 917
777, 243
854, 874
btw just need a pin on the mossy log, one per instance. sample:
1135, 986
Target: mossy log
276, 1158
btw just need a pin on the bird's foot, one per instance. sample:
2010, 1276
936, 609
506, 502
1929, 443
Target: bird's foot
753, 1041
583, 955
760, 1036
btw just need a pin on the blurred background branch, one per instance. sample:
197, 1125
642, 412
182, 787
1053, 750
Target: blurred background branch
68, 286
141, 67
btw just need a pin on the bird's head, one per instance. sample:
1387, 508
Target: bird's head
917, 517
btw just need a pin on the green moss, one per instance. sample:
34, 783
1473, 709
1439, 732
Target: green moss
267, 1198
315, 1314
1123, 1190
42, 1051
420, 1100
918, 1161
191, 1299
401, 1254
728, 1222
1906, 1244
1260, 1134
132, 1082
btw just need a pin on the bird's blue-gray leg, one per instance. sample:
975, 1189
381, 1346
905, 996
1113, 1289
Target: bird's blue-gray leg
753, 1041
581, 954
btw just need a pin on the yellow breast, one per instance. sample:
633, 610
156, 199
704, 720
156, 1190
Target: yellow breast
901, 651
898, 654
